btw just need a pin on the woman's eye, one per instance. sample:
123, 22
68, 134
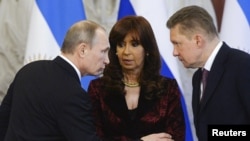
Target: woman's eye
135, 44
120, 44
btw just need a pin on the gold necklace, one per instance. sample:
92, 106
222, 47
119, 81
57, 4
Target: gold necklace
136, 84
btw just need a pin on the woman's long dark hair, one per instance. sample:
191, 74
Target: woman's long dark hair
150, 79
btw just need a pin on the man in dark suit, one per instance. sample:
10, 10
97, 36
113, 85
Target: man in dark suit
46, 102
225, 99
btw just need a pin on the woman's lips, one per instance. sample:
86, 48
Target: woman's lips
127, 61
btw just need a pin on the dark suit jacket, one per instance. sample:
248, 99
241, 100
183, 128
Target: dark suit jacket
114, 123
47, 103
227, 95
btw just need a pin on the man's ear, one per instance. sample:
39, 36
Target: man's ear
82, 49
199, 40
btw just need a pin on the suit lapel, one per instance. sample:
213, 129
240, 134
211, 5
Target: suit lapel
215, 74
212, 82
67, 67
196, 91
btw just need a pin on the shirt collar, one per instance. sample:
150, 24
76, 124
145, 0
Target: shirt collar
76, 69
211, 58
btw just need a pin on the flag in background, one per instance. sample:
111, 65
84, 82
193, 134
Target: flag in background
49, 23
235, 26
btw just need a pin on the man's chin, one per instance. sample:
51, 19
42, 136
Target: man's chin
187, 66
99, 73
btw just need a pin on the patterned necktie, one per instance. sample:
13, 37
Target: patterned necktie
204, 80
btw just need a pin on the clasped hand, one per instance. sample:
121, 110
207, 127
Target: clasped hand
158, 137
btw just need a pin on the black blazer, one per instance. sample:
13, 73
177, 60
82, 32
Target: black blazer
47, 103
227, 95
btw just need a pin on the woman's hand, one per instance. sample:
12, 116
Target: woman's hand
157, 137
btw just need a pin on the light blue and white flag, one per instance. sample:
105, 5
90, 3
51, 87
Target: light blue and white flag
235, 26
49, 23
